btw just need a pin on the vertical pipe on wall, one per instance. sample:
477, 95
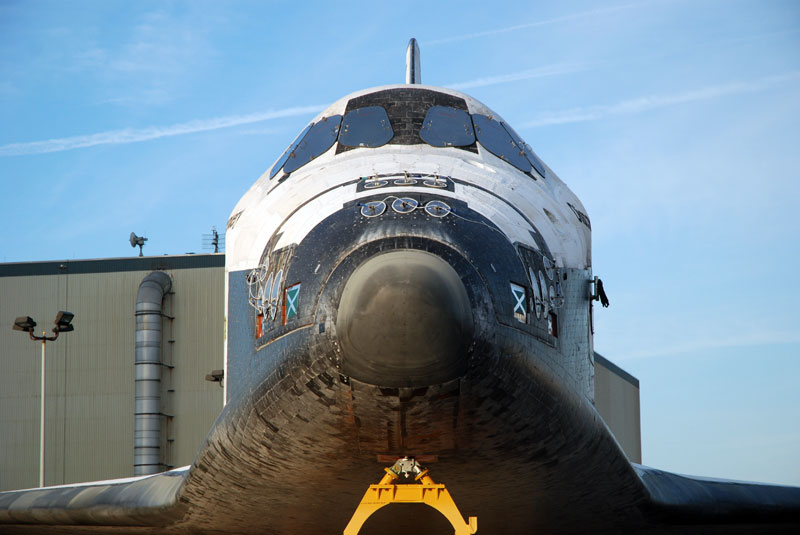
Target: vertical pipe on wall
147, 428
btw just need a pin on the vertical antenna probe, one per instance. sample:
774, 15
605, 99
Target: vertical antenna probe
413, 69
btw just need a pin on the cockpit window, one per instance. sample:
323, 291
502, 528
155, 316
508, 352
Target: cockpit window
535, 161
529, 154
496, 139
287, 152
406, 108
317, 140
445, 126
366, 127
408, 116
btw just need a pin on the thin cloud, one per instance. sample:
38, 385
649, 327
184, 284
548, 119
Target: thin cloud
564, 18
638, 105
540, 72
135, 135
722, 342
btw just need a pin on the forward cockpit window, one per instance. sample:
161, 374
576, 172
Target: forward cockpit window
366, 127
529, 154
496, 139
317, 140
535, 161
396, 117
445, 126
287, 152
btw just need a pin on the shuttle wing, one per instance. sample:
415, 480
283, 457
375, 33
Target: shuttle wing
139, 504
145, 501
695, 501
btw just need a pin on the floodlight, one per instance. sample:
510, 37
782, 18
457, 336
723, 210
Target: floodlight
24, 323
215, 376
64, 322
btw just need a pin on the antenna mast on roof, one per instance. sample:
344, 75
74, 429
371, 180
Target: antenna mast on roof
413, 68
215, 240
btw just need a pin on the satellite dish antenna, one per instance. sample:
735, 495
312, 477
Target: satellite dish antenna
137, 240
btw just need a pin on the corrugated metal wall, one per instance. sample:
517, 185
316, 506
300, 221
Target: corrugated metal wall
616, 397
90, 372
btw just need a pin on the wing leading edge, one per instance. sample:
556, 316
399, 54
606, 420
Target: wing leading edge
685, 500
147, 501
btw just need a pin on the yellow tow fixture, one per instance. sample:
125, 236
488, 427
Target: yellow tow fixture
427, 491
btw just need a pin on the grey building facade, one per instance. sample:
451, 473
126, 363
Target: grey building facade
90, 372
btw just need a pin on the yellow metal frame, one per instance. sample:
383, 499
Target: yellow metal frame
426, 491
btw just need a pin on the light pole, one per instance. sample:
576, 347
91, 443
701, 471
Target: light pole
63, 324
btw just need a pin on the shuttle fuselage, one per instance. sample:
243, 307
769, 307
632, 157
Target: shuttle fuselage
410, 280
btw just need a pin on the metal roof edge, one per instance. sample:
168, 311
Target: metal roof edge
616, 369
111, 265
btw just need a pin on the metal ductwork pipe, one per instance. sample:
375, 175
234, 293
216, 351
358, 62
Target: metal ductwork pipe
147, 430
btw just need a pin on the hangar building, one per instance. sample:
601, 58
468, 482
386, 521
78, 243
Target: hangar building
91, 372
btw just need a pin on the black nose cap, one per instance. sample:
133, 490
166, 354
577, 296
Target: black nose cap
404, 320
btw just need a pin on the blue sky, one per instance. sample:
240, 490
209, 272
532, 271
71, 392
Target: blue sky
674, 121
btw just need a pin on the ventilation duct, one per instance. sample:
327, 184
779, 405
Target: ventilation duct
147, 427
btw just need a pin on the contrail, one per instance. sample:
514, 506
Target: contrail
580, 15
135, 135
593, 113
574, 115
540, 72
733, 341
130, 135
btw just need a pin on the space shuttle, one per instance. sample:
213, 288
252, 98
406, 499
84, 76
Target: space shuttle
409, 294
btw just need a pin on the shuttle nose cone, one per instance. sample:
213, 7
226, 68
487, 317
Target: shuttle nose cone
404, 320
